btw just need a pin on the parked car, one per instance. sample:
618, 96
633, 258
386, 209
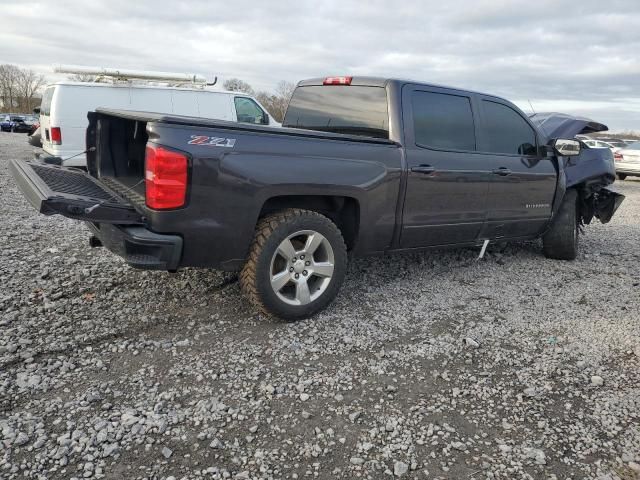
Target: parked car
603, 144
15, 124
63, 112
362, 165
614, 142
583, 137
627, 161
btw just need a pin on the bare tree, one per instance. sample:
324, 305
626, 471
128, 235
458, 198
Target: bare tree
284, 91
237, 85
9, 75
276, 103
29, 84
18, 88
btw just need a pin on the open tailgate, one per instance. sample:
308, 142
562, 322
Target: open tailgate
71, 192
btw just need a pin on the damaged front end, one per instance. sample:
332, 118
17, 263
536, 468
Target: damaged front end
590, 172
601, 204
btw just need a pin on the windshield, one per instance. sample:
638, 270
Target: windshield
356, 110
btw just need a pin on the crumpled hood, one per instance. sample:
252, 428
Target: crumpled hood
561, 125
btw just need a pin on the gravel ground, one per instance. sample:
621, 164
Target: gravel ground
427, 366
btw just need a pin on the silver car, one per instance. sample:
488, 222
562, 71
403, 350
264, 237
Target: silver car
627, 161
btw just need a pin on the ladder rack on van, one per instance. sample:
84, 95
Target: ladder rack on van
119, 74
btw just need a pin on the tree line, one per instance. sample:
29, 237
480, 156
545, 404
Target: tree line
19, 89
276, 102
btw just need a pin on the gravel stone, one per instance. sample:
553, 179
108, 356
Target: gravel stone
400, 468
166, 452
111, 372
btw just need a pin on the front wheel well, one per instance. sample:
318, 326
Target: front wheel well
341, 210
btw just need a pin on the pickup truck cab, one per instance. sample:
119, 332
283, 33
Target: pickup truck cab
361, 166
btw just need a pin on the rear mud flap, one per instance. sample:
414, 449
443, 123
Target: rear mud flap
72, 193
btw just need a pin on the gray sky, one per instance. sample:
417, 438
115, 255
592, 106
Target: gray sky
578, 57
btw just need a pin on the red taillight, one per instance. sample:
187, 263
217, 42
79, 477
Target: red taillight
617, 157
165, 178
56, 136
337, 81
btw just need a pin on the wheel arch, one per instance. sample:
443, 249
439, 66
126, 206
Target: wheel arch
342, 210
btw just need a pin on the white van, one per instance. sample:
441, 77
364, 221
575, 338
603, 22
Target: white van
63, 112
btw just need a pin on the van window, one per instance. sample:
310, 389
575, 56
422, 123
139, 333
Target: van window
505, 131
248, 111
45, 108
443, 121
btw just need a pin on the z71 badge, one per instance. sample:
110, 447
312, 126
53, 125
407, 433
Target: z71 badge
212, 141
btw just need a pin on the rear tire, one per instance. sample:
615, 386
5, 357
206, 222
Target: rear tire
621, 176
561, 240
296, 264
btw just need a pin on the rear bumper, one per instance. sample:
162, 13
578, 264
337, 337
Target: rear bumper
628, 168
140, 247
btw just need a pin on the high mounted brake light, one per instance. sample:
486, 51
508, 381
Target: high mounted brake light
165, 178
56, 136
337, 81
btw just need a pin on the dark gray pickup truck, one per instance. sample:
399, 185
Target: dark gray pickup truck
361, 165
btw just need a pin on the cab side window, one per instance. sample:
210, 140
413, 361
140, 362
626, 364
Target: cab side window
443, 121
505, 131
248, 111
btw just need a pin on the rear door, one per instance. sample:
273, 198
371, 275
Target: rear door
448, 180
45, 113
523, 178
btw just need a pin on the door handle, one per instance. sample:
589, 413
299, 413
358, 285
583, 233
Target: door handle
502, 171
426, 169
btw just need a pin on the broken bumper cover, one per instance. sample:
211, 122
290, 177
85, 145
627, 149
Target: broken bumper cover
601, 204
140, 247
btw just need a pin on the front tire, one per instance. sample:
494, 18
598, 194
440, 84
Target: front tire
561, 240
621, 176
296, 264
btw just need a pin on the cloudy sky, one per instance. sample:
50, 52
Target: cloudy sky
577, 56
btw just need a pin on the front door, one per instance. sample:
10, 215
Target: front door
448, 181
523, 180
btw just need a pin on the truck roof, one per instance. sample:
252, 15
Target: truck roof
384, 81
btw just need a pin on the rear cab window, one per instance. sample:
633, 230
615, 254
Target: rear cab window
347, 109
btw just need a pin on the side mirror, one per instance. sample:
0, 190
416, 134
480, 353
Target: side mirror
566, 148
265, 118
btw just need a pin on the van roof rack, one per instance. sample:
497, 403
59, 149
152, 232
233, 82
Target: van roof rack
121, 74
